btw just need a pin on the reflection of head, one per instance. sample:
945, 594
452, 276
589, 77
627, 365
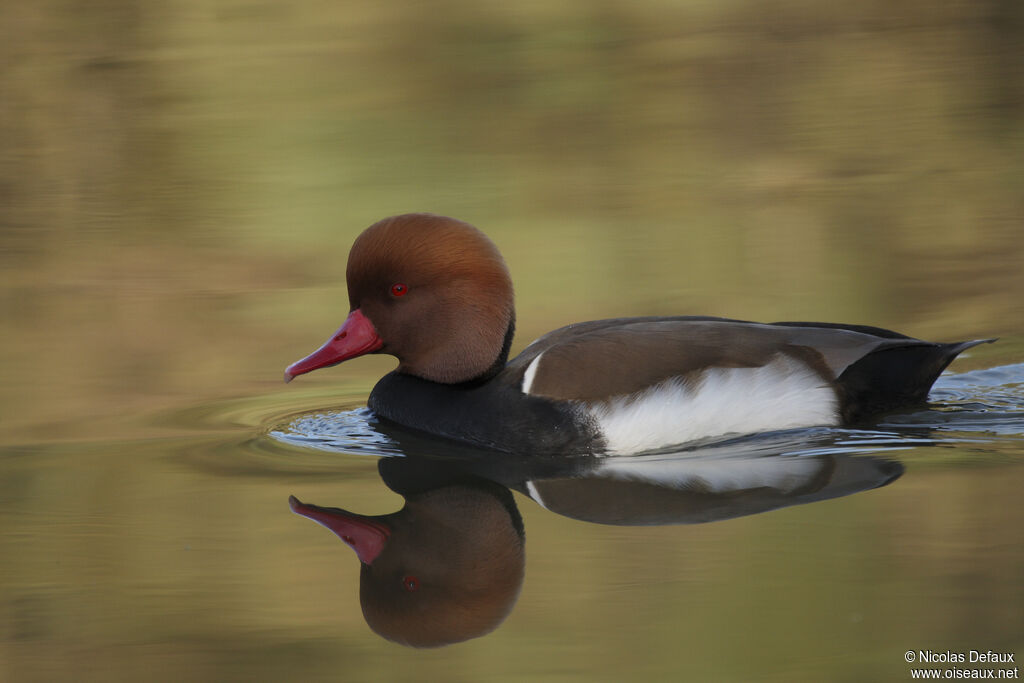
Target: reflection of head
450, 567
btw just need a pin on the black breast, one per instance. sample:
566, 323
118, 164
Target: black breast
493, 414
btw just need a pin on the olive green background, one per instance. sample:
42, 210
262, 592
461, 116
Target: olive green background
179, 185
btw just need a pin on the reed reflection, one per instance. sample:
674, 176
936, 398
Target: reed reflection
449, 565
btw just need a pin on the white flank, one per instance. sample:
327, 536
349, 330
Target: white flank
784, 394
531, 372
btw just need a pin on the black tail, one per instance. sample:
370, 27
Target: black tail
895, 376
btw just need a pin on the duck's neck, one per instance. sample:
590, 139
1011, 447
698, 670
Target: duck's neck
500, 361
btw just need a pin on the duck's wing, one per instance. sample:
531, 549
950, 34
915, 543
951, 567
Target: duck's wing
871, 369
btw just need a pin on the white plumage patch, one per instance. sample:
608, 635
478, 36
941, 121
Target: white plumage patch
532, 492
531, 372
784, 394
717, 475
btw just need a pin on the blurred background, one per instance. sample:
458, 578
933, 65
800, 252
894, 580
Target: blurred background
179, 186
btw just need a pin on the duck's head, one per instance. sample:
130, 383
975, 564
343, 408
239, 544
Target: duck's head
432, 291
446, 568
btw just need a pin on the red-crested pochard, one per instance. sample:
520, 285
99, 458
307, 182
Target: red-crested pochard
435, 293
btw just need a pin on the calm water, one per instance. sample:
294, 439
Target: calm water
179, 185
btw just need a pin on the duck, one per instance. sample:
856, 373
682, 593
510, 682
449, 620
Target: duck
435, 293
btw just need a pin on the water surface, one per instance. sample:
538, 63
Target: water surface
180, 184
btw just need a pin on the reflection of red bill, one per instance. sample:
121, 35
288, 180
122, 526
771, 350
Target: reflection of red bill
365, 535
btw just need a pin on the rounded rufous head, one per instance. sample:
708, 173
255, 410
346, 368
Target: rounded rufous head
430, 290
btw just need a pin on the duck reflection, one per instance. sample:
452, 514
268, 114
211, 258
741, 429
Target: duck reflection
446, 567
449, 565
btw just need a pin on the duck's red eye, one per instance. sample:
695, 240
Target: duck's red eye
410, 583
399, 289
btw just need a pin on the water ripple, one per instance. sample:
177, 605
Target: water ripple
983, 409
